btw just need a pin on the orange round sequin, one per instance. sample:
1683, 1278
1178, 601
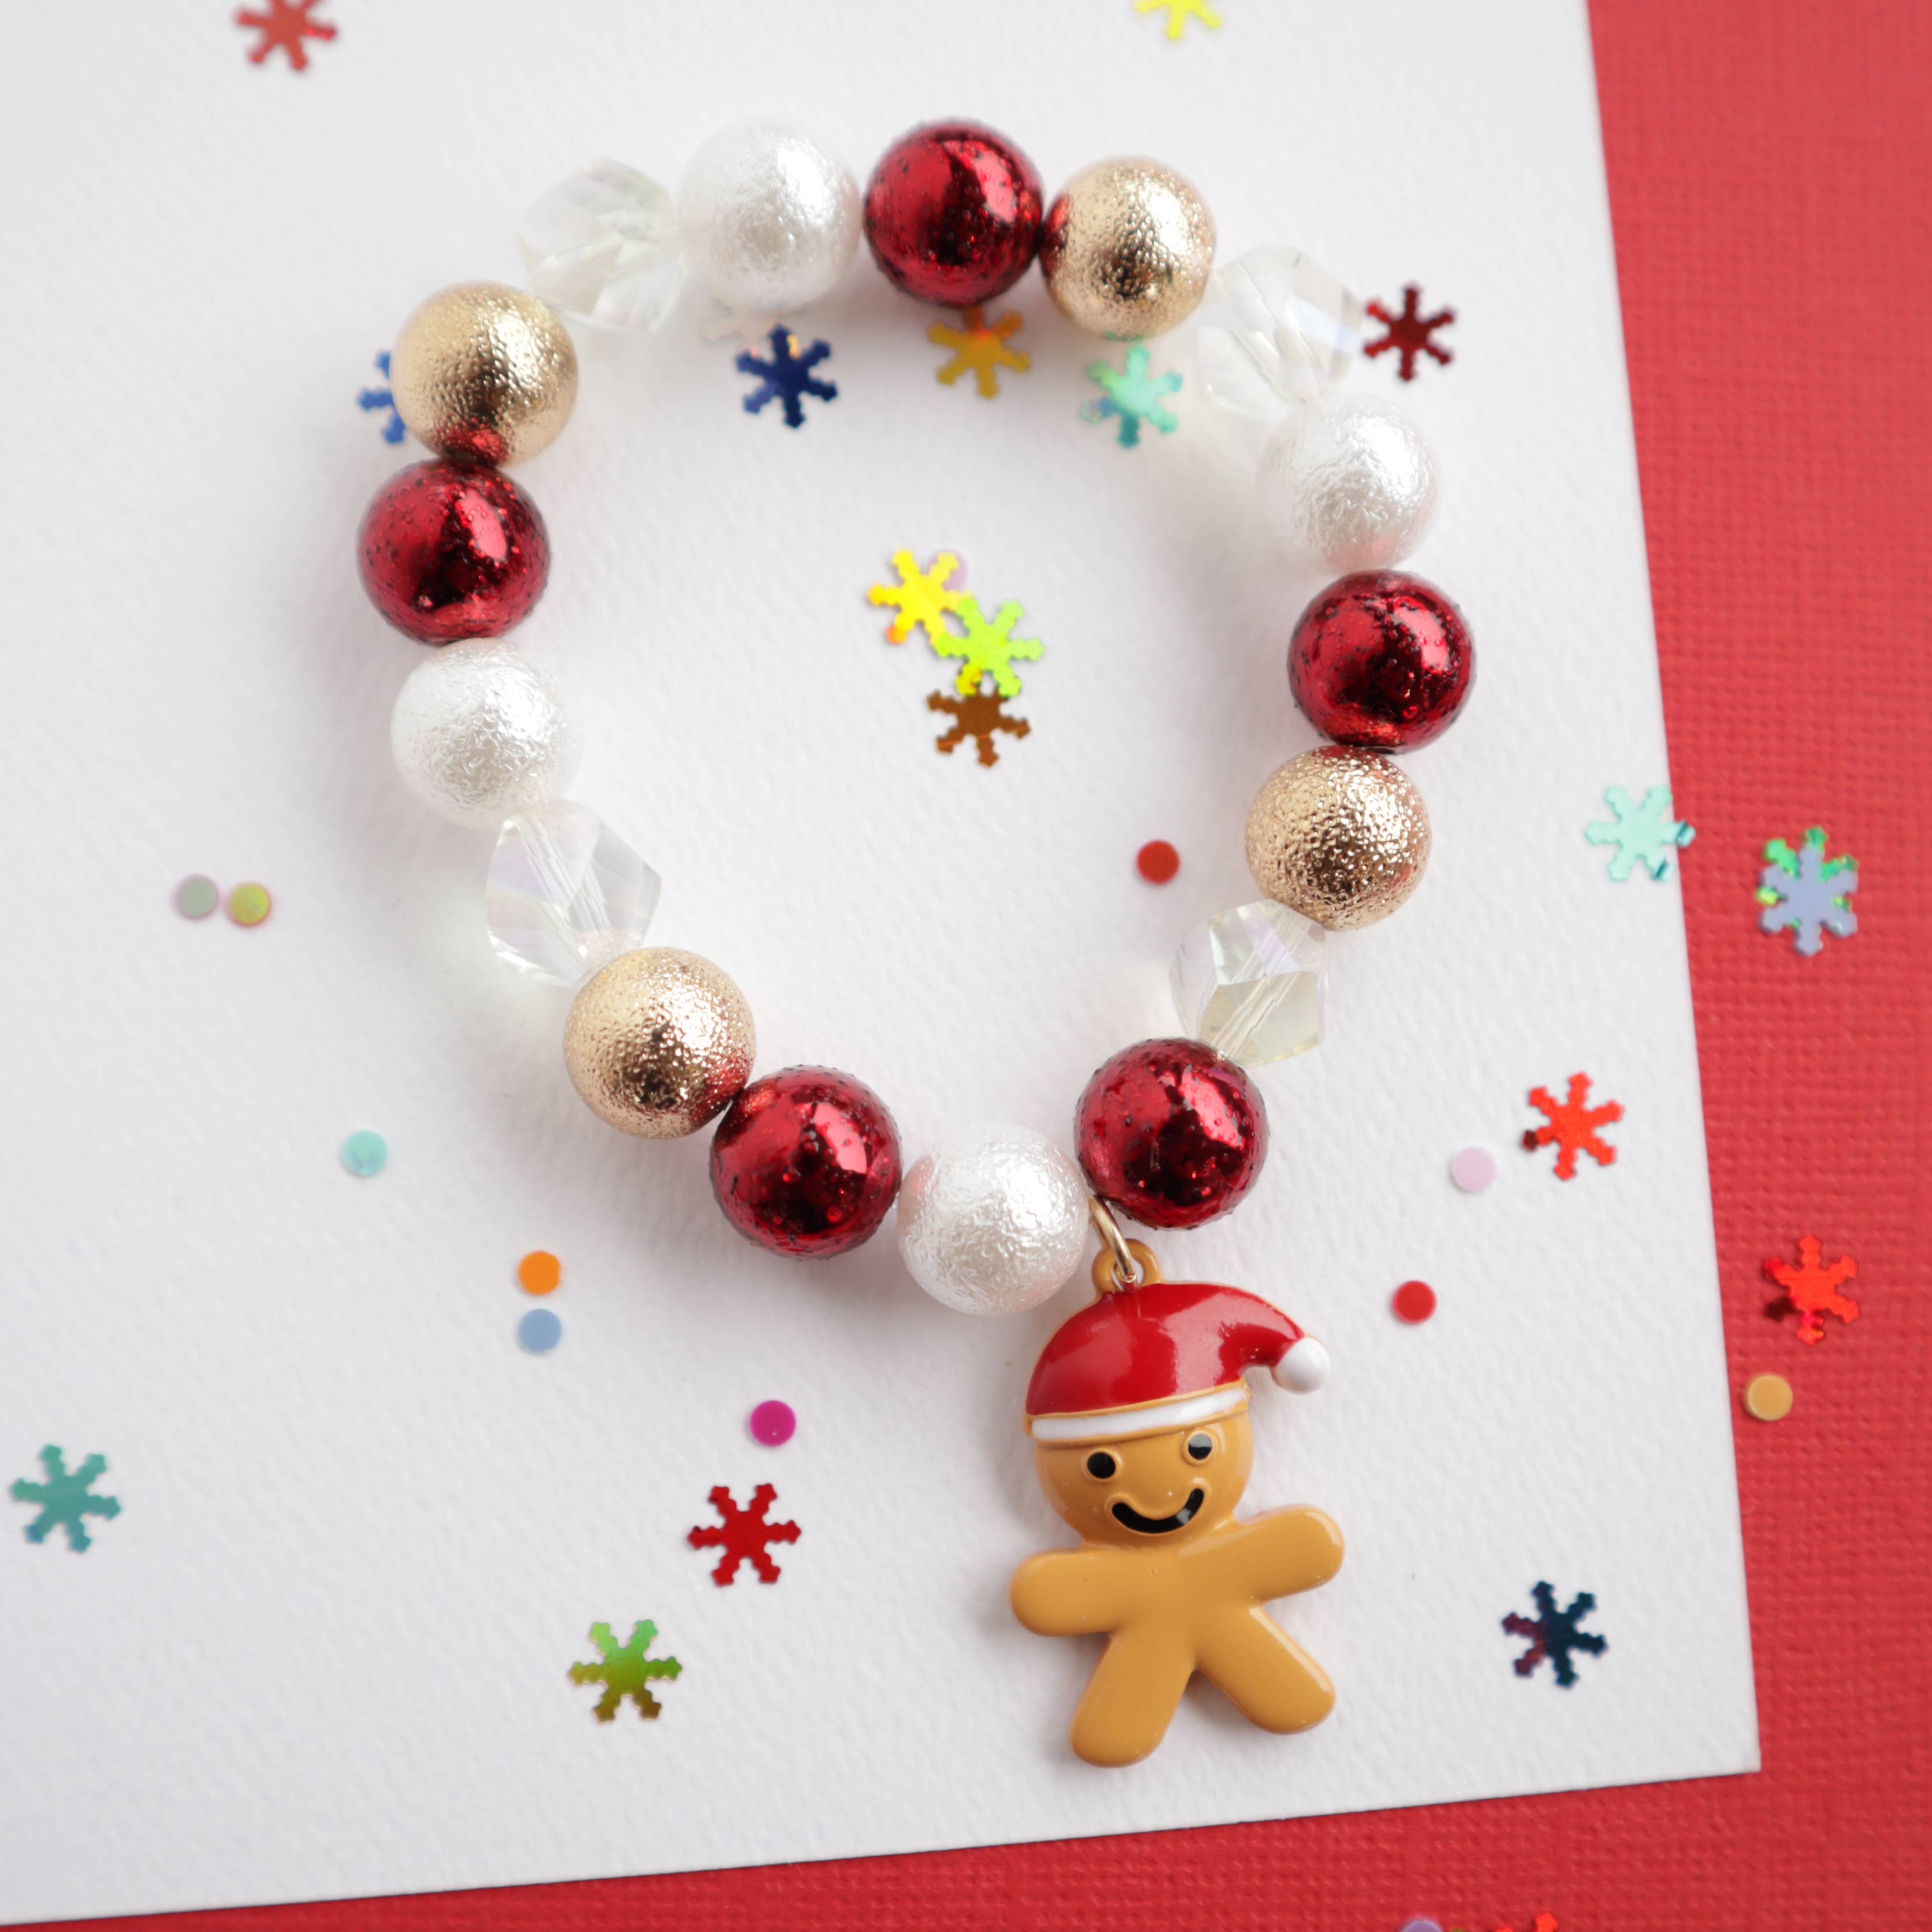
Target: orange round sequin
537, 1273
1768, 1397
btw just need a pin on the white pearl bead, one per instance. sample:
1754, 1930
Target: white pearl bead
1347, 483
480, 730
994, 1222
769, 218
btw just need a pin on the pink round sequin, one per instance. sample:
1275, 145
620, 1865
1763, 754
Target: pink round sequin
1473, 1169
773, 1424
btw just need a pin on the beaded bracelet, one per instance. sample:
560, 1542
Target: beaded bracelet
1170, 1133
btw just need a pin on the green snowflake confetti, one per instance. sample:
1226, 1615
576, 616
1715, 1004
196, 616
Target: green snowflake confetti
988, 649
66, 1500
625, 1671
1132, 395
1644, 835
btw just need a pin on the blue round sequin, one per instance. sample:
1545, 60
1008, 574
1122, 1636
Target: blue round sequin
539, 1331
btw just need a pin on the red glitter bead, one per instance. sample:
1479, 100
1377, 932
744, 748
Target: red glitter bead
448, 552
1170, 1133
1381, 659
805, 1161
952, 213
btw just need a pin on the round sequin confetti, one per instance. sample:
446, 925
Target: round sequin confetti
250, 905
365, 1152
1157, 862
1414, 1301
539, 1273
1768, 1398
196, 897
539, 1331
773, 1424
1473, 1169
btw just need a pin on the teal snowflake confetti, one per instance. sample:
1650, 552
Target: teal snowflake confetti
788, 376
625, 1671
1132, 395
1807, 891
1644, 835
66, 1500
988, 649
1553, 1633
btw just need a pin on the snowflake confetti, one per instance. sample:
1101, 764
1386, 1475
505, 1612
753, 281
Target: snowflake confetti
977, 717
988, 649
1807, 891
745, 1535
624, 1672
1179, 12
383, 398
1410, 334
981, 346
1644, 835
1811, 1289
787, 377
286, 24
1132, 395
1553, 1633
1572, 1127
66, 1500
920, 597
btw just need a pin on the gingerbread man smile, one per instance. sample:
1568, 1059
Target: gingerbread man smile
1139, 1417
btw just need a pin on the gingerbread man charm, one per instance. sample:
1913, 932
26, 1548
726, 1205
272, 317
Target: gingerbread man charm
1139, 1415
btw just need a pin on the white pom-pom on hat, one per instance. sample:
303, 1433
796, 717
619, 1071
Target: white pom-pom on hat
1303, 1368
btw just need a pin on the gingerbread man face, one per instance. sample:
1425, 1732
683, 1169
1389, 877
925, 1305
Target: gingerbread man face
1174, 1488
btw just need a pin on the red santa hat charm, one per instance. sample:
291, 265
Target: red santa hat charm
1164, 1355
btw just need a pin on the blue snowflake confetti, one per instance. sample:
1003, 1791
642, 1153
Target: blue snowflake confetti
1553, 1633
1644, 835
1133, 396
66, 1500
1807, 891
383, 398
788, 376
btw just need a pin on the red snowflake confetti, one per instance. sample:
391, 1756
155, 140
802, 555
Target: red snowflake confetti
1811, 1289
286, 25
977, 717
744, 1534
1572, 1126
1409, 333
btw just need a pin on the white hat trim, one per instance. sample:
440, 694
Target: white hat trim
1110, 1425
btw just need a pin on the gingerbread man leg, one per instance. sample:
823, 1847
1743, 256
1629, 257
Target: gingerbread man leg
1133, 1694
1266, 1675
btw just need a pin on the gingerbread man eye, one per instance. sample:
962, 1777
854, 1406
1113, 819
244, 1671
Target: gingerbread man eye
1200, 1446
1101, 1464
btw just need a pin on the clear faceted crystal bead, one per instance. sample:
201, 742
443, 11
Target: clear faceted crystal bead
1278, 328
1253, 983
566, 894
602, 247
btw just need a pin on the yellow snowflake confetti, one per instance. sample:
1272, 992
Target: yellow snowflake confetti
980, 346
920, 597
1179, 12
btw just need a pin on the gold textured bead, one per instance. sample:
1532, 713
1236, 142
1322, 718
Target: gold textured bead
1339, 836
483, 373
658, 1043
1126, 248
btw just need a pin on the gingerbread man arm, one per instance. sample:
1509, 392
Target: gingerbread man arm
1285, 1551
1068, 1592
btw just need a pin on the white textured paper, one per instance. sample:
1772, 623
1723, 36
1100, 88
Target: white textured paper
322, 1648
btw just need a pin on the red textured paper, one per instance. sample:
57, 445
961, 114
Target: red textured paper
1771, 173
